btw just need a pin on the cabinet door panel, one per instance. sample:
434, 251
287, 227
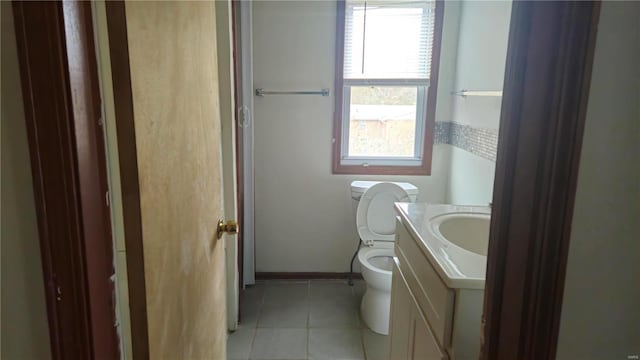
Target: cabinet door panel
411, 337
425, 346
400, 328
431, 294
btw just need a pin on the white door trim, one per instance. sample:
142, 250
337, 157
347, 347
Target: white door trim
246, 41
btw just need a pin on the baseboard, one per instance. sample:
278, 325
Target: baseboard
305, 275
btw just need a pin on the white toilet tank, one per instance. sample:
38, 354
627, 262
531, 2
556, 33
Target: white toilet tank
359, 187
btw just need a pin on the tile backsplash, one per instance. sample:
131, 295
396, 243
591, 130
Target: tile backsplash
478, 141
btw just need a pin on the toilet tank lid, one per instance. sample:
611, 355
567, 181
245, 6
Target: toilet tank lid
362, 186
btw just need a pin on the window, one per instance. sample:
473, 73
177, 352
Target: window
386, 76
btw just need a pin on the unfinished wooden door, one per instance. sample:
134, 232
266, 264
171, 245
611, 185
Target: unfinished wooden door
170, 139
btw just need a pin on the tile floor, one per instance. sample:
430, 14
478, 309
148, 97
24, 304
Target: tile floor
316, 319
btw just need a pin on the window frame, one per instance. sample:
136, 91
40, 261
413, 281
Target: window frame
382, 165
421, 100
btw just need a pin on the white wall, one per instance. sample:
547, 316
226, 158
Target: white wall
304, 216
471, 178
25, 333
481, 57
601, 310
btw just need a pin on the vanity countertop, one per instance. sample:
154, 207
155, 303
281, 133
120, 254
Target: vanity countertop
457, 267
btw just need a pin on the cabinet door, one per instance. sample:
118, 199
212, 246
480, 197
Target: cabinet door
411, 336
423, 344
400, 328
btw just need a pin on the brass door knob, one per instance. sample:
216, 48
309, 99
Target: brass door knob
230, 227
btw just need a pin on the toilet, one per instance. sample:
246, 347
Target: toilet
375, 222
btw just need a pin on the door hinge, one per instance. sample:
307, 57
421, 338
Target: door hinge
106, 198
58, 292
244, 116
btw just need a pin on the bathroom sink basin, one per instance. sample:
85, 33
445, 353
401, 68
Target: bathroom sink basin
470, 232
464, 237
455, 239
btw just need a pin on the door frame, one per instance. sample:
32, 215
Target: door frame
58, 68
243, 56
239, 138
130, 185
541, 126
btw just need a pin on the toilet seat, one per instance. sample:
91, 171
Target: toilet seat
375, 217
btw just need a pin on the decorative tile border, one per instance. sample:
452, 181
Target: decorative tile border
441, 133
481, 142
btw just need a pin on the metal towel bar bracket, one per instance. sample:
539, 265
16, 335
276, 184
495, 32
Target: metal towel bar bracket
465, 93
263, 92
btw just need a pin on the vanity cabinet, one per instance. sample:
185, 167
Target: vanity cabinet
422, 324
411, 337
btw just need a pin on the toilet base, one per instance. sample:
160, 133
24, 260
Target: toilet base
375, 309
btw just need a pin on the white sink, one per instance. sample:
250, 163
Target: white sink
468, 231
464, 239
454, 238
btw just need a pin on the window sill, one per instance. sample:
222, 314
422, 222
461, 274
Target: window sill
424, 169
381, 161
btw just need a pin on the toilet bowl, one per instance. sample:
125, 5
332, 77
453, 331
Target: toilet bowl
375, 221
376, 263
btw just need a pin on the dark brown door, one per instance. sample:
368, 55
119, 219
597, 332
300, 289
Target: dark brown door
546, 88
63, 113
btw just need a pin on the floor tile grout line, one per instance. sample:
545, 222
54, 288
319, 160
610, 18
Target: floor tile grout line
260, 308
308, 318
255, 329
364, 347
253, 340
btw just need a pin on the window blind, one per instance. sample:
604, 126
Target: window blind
387, 39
